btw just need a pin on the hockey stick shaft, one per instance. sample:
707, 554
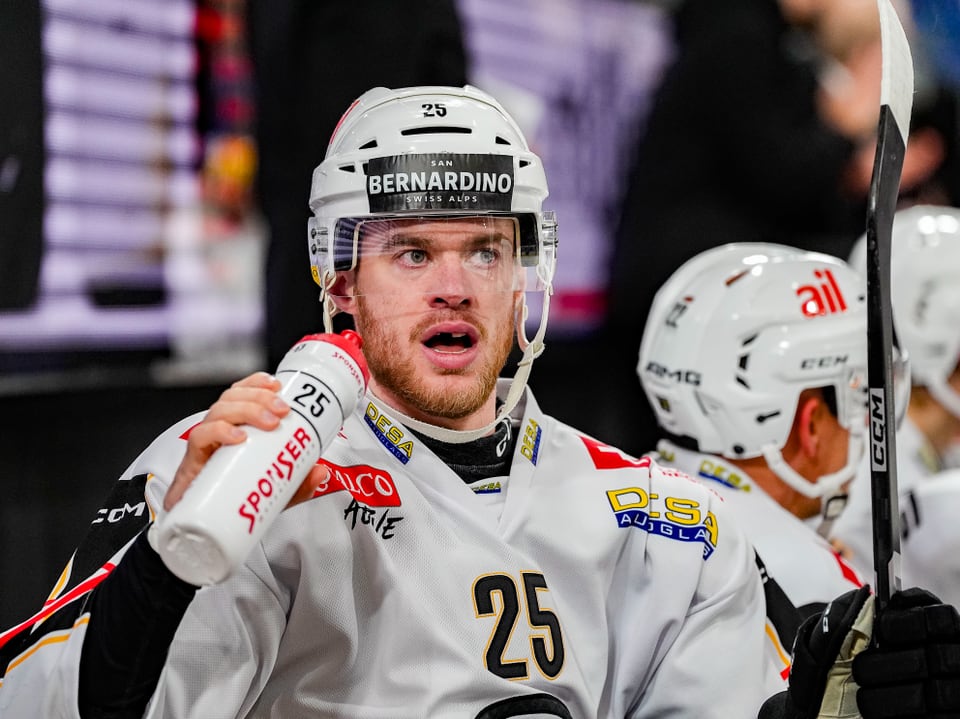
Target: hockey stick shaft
896, 101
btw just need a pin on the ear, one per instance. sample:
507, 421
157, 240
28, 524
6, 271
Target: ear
809, 424
343, 292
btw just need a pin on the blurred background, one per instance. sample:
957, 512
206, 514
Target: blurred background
155, 162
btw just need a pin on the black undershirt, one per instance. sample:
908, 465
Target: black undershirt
481, 458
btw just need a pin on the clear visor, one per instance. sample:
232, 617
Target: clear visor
902, 382
853, 403
456, 257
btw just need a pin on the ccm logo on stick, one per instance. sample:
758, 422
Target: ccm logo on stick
878, 430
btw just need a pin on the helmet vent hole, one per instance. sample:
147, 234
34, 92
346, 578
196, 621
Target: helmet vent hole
742, 381
441, 130
524, 163
368, 145
738, 449
744, 360
502, 141
749, 339
347, 168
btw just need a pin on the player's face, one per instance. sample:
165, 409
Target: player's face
435, 302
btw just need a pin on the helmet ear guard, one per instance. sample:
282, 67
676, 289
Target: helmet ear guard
735, 336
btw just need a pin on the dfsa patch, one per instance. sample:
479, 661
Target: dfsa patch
677, 518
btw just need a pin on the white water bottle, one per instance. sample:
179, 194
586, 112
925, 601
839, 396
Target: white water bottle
244, 487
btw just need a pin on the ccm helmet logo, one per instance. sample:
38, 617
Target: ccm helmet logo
823, 298
680, 376
823, 362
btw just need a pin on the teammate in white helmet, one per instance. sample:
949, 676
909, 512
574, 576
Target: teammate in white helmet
925, 297
462, 554
754, 360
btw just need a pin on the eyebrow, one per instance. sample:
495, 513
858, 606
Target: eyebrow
403, 239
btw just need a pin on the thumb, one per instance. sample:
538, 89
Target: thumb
317, 478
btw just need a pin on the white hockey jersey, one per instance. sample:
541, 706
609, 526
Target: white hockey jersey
802, 562
930, 541
916, 460
929, 499
603, 586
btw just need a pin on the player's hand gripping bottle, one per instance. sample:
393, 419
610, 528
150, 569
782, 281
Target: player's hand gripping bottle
244, 487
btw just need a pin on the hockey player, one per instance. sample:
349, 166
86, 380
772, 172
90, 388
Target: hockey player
754, 360
755, 364
520, 568
925, 296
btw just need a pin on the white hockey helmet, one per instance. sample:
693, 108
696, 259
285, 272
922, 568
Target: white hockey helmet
432, 152
666, 301
738, 333
925, 294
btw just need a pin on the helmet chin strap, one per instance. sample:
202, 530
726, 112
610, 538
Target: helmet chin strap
327, 279
826, 484
833, 506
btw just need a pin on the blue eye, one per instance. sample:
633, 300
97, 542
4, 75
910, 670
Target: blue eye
487, 256
414, 256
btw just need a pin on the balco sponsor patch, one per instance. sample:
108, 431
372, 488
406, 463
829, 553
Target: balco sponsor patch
440, 181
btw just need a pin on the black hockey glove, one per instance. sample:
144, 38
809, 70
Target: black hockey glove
822, 652
914, 671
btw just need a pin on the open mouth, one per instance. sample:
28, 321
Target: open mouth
450, 342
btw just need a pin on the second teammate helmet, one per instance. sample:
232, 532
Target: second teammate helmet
925, 294
738, 338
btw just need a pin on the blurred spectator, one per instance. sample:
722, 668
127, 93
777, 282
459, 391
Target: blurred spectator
938, 24
762, 130
310, 60
931, 173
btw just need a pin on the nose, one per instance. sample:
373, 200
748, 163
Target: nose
450, 283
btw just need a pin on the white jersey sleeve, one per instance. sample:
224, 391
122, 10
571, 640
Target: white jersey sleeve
853, 529
801, 570
720, 657
40, 657
930, 545
803, 563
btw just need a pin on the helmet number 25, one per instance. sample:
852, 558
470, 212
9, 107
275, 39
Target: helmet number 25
434, 109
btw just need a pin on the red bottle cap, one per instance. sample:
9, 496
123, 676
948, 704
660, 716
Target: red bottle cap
349, 341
